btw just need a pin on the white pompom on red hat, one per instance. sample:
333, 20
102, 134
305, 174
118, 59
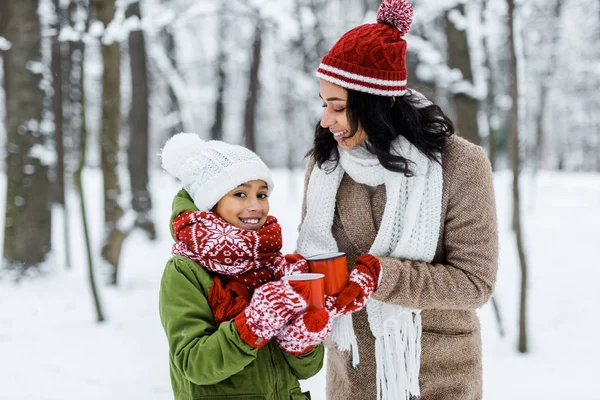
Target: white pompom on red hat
208, 170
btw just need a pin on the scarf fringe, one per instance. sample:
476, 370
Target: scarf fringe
227, 302
342, 333
398, 355
397, 352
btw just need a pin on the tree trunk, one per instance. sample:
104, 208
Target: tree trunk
428, 88
71, 88
27, 231
77, 92
81, 192
174, 108
57, 108
78, 19
109, 143
321, 47
137, 154
465, 105
490, 103
59, 187
490, 110
253, 87
216, 131
539, 127
311, 39
545, 88
514, 132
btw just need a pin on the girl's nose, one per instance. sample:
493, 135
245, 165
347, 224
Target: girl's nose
253, 205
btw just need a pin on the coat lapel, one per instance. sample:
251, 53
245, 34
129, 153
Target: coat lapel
357, 212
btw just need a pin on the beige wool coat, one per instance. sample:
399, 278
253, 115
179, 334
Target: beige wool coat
459, 280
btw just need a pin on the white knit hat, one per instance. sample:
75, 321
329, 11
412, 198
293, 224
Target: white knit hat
209, 170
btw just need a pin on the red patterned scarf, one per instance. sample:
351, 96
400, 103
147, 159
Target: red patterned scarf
240, 259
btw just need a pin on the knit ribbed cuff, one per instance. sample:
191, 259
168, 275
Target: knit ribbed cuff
246, 334
299, 353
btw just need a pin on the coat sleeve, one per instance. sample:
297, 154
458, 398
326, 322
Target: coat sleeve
470, 242
204, 353
308, 364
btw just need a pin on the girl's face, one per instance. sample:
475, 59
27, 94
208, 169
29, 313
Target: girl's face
335, 118
246, 206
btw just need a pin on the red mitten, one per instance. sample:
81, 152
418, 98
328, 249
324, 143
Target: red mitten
300, 335
362, 282
290, 264
272, 306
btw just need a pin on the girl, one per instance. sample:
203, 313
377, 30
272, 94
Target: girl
387, 177
221, 301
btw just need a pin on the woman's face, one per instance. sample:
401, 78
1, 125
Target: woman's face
335, 117
246, 206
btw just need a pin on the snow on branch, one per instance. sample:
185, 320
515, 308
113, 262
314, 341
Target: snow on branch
174, 79
433, 68
4, 44
427, 12
45, 154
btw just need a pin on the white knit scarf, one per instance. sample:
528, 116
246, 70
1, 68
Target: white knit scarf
409, 230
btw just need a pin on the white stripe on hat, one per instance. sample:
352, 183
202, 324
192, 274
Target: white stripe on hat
360, 88
356, 77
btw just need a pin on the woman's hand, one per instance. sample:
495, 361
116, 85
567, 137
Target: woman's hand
362, 282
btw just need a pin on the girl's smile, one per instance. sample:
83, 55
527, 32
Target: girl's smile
246, 206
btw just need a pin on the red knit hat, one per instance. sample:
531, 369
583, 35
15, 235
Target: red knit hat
371, 58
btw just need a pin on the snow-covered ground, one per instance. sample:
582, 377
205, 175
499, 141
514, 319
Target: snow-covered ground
51, 348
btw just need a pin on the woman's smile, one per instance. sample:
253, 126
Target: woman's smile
340, 136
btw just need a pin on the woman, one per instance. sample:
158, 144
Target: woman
387, 177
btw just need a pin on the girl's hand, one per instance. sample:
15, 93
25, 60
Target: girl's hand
304, 332
290, 264
273, 305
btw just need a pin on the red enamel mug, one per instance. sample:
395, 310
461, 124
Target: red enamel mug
335, 268
316, 286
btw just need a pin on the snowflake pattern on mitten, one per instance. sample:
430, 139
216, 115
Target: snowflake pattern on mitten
272, 306
362, 282
304, 332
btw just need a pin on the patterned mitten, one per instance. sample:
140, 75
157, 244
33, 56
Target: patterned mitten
300, 335
290, 264
362, 282
272, 306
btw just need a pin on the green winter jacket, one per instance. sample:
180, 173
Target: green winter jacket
210, 361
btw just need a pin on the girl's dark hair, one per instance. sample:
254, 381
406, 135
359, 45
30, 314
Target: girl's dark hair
383, 119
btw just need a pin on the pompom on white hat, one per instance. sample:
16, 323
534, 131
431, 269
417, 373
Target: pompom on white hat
209, 170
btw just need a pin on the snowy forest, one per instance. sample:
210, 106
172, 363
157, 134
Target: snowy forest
90, 90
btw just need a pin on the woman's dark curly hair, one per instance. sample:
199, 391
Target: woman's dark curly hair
383, 119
